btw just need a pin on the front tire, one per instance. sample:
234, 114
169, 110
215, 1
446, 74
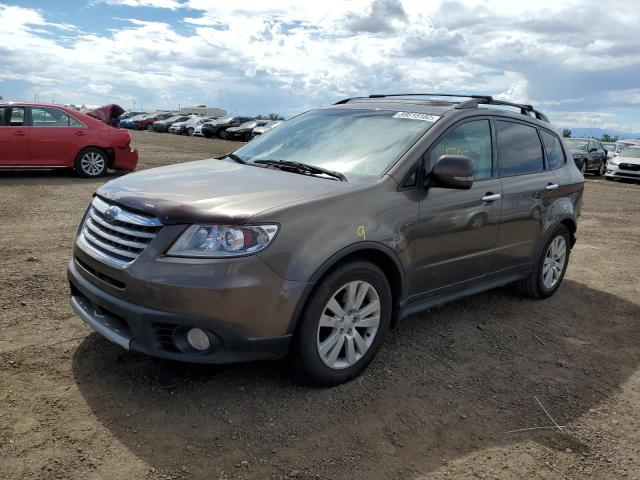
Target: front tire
343, 325
550, 266
583, 168
602, 168
149, 128
91, 163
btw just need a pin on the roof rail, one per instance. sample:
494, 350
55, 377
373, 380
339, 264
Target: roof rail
381, 95
474, 102
524, 109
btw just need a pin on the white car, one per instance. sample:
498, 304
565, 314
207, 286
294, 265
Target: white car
625, 165
198, 131
189, 126
613, 148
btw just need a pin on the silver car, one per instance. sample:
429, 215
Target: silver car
265, 128
625, 165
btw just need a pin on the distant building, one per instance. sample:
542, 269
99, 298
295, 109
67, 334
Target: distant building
208, 111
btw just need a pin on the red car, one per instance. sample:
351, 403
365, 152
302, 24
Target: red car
43, 135
146, 123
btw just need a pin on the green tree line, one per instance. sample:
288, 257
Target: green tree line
566, 133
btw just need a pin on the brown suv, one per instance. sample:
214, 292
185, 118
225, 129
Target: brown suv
318, 236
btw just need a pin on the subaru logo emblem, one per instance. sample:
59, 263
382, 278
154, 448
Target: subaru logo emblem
111, 213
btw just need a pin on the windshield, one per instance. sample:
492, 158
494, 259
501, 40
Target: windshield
577, 144
360, 144
631, 152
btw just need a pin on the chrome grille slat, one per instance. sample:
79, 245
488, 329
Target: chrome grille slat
100, 231
126, 231
126, 216
116, 241
106, 246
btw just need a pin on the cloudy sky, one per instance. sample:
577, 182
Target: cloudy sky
579, 60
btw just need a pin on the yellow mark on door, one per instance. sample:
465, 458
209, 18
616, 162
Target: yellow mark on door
360, 232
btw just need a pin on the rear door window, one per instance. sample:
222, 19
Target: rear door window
519, 149
14, 116
471, 139
553, 147
52, 117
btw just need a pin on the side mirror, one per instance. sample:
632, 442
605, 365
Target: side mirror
593, 150
453, 171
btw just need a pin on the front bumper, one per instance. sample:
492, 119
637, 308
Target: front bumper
613, 171
126, 158
244, 306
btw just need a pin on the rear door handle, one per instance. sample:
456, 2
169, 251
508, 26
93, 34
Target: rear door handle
491, 197
80, 134
20, 134
552, 186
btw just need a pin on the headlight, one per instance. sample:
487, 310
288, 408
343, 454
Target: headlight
219, 241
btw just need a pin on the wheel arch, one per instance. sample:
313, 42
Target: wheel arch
378, 254
109, 152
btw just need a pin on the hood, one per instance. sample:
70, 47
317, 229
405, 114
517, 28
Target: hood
106, 113
213, 191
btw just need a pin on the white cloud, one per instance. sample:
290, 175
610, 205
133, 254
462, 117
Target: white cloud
287, 55
170, 4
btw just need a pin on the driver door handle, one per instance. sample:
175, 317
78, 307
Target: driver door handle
552, 186
491, 197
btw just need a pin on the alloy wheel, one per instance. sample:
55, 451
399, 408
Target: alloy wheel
92, 163
554, 261
349, 324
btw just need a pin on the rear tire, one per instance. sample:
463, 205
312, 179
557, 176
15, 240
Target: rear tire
91, 163
549, 272
583, 168
222, 134
190, 131
354, 304
149, 128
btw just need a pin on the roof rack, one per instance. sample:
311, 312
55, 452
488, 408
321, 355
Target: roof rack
380, 95
474, 102
524, 109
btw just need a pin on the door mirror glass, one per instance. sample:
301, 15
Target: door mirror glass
453, 171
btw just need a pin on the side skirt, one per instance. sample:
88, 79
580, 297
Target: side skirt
407, 309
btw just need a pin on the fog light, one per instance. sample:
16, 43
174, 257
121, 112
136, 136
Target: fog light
198, 339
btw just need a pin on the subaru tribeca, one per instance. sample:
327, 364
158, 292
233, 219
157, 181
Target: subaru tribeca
318, 236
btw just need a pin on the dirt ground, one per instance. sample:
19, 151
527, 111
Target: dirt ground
441, 400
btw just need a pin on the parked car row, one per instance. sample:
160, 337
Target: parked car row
609, 159
234, 127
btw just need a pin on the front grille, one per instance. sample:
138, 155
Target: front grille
116, 235
629, 166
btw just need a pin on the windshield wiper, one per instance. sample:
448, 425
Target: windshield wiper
303, 168
234, 157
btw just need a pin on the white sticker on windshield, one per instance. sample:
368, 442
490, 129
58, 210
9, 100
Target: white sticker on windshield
425, 117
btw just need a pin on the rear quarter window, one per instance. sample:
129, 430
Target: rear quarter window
553, 147
519, 149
